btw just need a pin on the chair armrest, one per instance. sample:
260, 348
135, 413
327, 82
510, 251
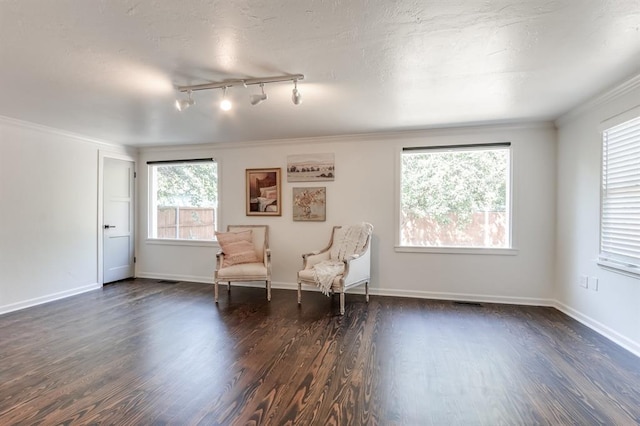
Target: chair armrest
267, 262
357, 267
219, 259
310, 259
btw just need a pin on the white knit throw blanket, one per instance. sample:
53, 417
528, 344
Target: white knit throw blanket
347, 241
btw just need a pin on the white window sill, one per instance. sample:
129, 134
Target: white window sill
458, 250
172, 242
628, 270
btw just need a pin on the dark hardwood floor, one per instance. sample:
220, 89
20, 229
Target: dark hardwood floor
141, 352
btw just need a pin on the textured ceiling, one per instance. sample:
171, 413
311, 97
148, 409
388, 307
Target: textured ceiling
108, 69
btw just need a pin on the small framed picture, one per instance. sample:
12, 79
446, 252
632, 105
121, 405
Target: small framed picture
263, 192
310, 204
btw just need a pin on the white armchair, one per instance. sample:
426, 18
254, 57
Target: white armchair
350, 259
244, 256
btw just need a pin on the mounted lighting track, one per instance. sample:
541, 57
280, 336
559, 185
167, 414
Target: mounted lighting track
240, 82
225, 104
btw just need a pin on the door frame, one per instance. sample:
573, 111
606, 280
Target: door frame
102, 155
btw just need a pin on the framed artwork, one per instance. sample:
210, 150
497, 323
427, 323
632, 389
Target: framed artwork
310, 204
263, 192
310, 167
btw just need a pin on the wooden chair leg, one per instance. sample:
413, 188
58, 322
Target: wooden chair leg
299, 292
229, 287
268, 291
366, 290
342, 302
215, 290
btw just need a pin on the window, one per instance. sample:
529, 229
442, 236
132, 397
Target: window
456, 196
620, 200
184, 200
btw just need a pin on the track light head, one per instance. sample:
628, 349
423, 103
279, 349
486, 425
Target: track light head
256, 99
182, 104
296, 96
225, 104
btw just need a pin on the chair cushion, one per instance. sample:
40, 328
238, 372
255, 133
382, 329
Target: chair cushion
306, 275
243, 272
237, 247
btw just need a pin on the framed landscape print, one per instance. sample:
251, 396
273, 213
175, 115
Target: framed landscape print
310, 204
310, 167
263, 192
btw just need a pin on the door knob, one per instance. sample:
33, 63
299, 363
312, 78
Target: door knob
109, 226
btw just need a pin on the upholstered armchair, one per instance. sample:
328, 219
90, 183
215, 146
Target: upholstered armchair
343, 264
244, 256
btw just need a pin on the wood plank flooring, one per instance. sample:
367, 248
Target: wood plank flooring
141, 352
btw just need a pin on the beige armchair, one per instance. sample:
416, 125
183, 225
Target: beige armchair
343, 264
244, 256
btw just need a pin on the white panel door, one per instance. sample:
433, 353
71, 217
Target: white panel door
118, 219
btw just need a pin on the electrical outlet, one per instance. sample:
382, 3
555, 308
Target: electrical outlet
593, 283
584, 281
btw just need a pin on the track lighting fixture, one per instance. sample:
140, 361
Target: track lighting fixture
256, 99
182, 104
296, 96
225, 104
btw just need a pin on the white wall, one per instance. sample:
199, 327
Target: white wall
48, 215
614, 309
364, 190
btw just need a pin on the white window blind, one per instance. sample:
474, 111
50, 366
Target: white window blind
620, 209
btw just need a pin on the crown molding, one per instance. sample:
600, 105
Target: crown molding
608, 95
462, 129
13, 122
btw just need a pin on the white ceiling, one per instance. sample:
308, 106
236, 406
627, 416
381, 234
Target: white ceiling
108, 69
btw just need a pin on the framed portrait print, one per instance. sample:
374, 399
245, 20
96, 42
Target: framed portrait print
263, 192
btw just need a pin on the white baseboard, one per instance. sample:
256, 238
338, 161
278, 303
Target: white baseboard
462, 297
48, 298
174, 277
530, 301
598, 327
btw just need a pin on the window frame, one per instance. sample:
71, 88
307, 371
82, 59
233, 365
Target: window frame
506, 251
611, 261
152, 204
